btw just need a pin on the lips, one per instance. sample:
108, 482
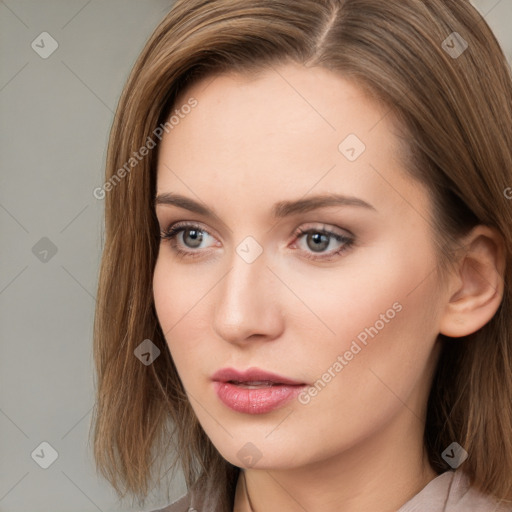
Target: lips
253, 375
254, 391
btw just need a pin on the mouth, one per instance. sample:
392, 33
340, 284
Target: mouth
254, 391
255, 384
253, 377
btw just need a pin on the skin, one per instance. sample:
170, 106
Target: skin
253, 141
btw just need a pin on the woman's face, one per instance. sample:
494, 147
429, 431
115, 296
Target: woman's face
344, 318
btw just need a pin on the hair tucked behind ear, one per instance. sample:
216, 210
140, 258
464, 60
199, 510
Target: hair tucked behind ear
456, 115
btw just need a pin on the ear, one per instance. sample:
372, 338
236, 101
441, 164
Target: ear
476, 285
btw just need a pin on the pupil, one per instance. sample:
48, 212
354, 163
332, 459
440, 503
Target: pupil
196, 237
317, 237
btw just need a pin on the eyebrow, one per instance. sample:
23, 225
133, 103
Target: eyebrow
279, 210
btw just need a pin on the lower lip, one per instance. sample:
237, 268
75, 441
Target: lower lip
255, 400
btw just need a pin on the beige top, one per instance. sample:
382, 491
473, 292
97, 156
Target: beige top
448, 492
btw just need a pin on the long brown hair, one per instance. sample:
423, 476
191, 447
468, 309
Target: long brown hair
456, 113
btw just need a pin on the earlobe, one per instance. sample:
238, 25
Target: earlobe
478, 284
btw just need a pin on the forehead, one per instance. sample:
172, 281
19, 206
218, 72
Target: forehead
320, 99
288, 128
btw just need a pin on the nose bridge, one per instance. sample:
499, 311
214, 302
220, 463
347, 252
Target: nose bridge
243, 305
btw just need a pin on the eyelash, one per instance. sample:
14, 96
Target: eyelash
171, 233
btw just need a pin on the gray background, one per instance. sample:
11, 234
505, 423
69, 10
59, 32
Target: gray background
55, 118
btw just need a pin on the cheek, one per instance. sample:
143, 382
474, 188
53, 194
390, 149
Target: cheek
382, 313
370, 283
385, 322
179, 298
163, 290
175, 291
169, 298
373, 305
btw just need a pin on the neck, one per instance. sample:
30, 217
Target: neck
378, 473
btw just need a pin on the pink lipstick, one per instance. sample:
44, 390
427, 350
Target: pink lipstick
254, 391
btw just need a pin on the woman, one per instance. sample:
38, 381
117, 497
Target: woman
305, 287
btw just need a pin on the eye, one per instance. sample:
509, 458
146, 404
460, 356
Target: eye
317, 240
191, 236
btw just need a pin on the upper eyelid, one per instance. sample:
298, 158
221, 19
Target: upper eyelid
185, 225
299, 230
347, 240
311, 225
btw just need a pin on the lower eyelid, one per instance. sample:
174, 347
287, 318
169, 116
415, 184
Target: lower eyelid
345, 240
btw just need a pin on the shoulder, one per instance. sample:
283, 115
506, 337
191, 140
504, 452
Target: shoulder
463, 497
183, 504
451, 492
207, 494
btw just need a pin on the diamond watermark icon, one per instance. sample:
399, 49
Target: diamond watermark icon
44, 45
455, 45
147, 352
352, 147
45, 455
249, 455
249, 249
44, 250
454, 455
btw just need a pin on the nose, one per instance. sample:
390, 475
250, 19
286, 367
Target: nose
247, 306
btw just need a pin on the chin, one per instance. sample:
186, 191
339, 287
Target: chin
263, 455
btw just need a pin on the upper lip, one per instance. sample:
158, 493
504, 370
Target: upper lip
252, 375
